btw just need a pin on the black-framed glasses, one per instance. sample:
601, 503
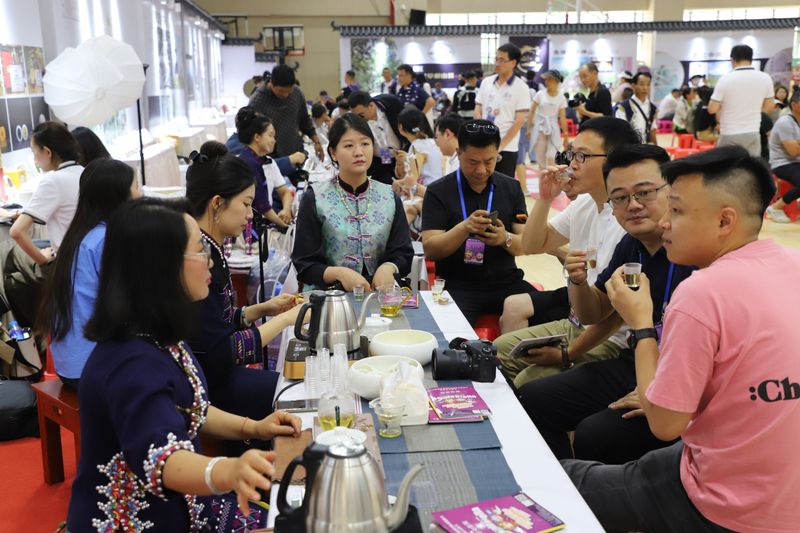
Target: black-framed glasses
474, 127
205, 253
580, 157
646, 196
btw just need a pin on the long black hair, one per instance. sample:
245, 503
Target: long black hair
91, 146
141, 288
415, 122
56, 137
105, 184
225, 175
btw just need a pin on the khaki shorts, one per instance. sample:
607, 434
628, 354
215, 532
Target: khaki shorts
522, 371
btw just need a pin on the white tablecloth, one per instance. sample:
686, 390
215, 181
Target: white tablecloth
214, 127
160, 165
534, 466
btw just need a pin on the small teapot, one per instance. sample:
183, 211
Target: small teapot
347, 492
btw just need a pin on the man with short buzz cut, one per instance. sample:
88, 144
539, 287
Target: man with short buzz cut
726, 376
738, 100
388, 85
282, 101
505, 100
472, 222
411, 92
638, 110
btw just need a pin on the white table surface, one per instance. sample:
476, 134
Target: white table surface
215, 127
160, 165
534, 466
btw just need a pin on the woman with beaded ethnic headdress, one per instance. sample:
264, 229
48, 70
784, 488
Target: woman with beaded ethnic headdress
144, 398
220, 192
351, 230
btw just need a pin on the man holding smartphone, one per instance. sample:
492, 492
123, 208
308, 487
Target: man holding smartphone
473, 253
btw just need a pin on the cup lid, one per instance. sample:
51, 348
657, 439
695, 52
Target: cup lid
346, 450
341, 435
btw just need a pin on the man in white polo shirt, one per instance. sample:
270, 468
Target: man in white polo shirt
504, 99
738, 100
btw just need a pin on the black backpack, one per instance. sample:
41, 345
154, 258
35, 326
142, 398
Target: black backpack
18, 417
464, 101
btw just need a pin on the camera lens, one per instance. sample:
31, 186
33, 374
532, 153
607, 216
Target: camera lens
451, 364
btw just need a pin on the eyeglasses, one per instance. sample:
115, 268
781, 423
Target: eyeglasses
646, 196
474, 127
205, 253
501, 60
580, 157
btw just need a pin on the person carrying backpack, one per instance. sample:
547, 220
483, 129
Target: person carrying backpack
464, 99
638, 110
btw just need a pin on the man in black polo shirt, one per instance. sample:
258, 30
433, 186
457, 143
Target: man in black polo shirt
381, 113
598, 400
598, 103
473, 255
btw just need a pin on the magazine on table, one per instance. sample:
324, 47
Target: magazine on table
517, 514
457, 401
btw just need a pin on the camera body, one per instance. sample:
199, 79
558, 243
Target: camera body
472, 360
577, 100
561, 158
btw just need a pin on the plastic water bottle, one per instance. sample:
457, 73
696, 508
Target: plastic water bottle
15, 332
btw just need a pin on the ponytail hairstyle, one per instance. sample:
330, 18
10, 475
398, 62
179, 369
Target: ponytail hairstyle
105, 185
223, 175
250, 123
415, 122
56, 137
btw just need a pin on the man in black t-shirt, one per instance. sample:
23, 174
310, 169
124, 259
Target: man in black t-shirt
474, 255
598, 103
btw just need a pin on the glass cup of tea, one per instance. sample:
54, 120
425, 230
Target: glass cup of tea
336, 410
389, 417
632, 273
438, 288
358, 293
591, 258
392, 299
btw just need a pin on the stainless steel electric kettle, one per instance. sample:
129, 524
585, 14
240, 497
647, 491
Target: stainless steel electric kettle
333, 321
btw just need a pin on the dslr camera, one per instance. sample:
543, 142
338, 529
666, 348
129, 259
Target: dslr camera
561, 158
577, 100
472, 360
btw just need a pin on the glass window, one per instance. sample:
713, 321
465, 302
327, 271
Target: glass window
454, 19
478, 19
489, 44
432, 20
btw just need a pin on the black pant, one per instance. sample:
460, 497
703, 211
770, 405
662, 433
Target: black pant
643, 495
475, 301
577, 400
508, 164
790, 173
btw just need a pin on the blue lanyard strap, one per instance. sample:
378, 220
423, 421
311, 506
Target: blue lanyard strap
665, 299
461, 195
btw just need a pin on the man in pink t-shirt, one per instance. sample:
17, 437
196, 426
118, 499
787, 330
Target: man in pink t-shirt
726, 378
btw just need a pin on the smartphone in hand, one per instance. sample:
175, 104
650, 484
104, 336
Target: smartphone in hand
493, 217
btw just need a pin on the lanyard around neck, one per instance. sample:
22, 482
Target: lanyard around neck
667, 289
461, 195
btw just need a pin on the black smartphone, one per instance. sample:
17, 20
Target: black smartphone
297, 406
493, 217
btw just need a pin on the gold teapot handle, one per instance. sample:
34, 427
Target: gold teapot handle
407, 293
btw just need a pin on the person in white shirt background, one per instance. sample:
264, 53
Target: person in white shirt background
638, 110
547, 121
738, 100
55, 152
668, 105
421, 166
505, 99
623, 82
683, 121
388, 85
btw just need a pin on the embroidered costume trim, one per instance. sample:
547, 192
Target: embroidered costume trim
157, 458
125, 499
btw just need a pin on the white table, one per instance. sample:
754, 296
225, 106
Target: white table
214, 127
160, 165
534, 466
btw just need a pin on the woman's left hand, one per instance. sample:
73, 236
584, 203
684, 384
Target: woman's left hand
278, 423
285, 215
279, 304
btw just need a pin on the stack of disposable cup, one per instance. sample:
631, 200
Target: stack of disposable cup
339, 368
324, 357
311, 378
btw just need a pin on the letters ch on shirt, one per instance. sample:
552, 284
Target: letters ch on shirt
773, 390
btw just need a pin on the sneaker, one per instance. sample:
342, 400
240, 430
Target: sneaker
777, 215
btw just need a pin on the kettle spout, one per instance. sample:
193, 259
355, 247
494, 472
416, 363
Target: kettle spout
363, 316
397, 515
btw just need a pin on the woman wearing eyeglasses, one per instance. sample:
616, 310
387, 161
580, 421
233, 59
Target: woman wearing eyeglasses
220, 191
351, 230
144, 398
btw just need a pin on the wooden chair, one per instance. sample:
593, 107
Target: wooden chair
58, 406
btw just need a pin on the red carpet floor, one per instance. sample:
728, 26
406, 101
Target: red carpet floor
27, 504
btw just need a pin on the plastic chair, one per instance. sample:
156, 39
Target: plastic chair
686, 140
664, 126
487, 327
704, 145
683, 152
791, 209
572, 129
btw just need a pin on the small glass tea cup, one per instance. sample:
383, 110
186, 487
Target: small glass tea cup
389, 417
358, 293
392, 299
632, 273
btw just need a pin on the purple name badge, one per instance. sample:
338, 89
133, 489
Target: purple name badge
473, 252
386, 156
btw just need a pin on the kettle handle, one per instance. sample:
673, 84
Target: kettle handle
298, 325
283, 506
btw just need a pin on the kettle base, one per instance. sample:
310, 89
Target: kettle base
284, 524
